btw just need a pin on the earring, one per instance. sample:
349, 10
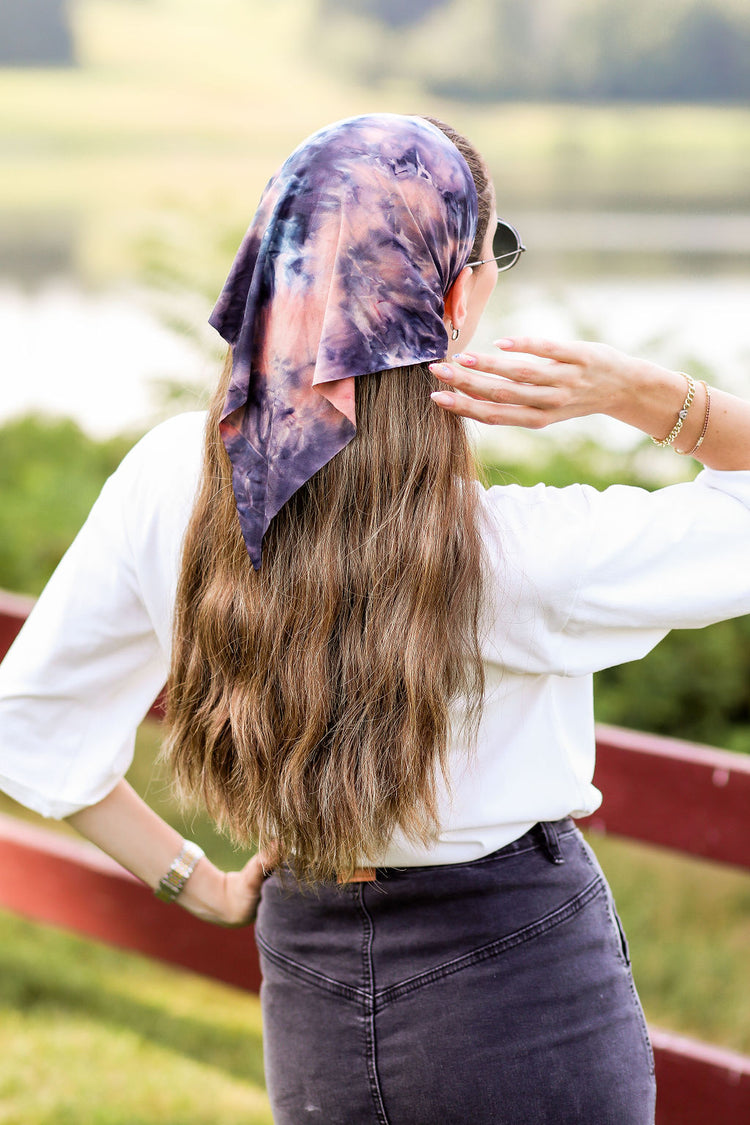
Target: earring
455, 333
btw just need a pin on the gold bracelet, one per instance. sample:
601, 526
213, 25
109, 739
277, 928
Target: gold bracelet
682, 415
699, 442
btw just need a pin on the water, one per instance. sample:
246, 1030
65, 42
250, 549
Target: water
102, 358
674, 288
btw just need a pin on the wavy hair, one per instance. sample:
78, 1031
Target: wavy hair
309, 703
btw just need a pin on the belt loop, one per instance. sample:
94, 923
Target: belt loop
359, 875
551, 842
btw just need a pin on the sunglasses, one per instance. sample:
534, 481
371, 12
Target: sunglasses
507, 247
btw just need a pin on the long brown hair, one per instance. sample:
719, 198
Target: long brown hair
309, 702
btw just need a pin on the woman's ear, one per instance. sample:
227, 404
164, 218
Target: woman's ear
456, 299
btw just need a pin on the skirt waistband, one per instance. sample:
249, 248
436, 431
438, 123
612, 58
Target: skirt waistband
545, 835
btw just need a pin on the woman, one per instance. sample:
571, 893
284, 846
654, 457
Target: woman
378, 669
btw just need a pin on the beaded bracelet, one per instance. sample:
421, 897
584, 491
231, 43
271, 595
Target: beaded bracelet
699, 442
682, 415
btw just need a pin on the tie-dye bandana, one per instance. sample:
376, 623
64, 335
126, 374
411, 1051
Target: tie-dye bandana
343, 272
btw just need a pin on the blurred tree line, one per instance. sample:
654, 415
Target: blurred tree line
50, 475
489, 50
693, 685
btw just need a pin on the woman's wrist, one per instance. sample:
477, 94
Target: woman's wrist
204, 893
124, 826
652, 399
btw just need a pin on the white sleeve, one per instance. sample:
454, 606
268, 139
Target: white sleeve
94, 652
587, 580
675, 558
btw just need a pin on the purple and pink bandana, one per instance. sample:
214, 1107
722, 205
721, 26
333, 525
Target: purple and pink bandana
342, 272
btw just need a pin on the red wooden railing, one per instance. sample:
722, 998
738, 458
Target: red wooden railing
694, 799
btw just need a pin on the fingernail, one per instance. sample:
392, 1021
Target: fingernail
442, 370
442, 398
504, 343
465, 359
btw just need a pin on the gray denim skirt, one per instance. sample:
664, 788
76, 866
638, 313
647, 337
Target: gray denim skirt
496, 992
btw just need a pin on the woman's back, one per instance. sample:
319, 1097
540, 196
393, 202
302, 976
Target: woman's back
573, 580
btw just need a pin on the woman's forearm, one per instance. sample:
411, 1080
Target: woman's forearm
653, 397
727, 441
126, 828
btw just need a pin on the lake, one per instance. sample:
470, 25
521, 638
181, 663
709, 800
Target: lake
674, 287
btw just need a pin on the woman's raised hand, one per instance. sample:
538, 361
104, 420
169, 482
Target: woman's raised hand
532, 382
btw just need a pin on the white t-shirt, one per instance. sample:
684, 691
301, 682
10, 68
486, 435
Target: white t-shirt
578, 580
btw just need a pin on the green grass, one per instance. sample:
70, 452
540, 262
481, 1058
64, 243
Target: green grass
168, 1046
92, 1036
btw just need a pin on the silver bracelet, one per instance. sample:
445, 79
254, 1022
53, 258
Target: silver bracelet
182, 868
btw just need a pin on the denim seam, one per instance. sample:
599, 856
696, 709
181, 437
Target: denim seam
616, 925
593, 862
312, 976
368, 970
647, 1045
526, 933
614, 921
